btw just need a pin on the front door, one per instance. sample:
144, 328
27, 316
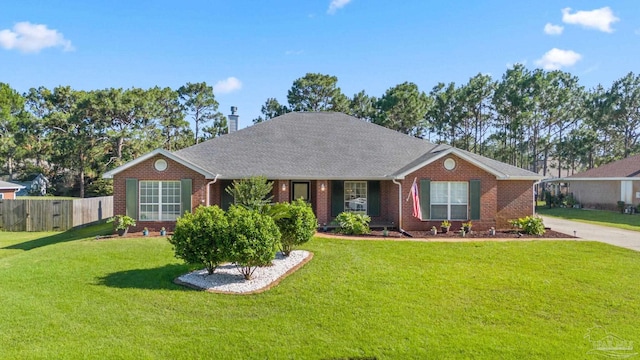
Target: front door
300, 189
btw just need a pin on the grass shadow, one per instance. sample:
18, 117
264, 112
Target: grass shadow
152, 279
69, 235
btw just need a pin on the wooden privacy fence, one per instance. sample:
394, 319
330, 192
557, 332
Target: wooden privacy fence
49, 214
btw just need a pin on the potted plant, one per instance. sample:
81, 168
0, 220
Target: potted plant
445, 226
163, 231
145, 232
385, 232
123, 222
467, 226
434, 231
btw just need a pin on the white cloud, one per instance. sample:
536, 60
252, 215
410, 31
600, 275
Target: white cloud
337, 4
555, 59
600, 19
227, 85
551, 29
31, 38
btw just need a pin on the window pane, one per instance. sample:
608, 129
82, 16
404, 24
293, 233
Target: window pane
459, 192
355, 196
439, 212
458, 212
301, 190
439, 192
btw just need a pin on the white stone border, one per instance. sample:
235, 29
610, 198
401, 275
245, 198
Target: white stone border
228, 280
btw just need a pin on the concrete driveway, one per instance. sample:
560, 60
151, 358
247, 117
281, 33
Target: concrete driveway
618, 237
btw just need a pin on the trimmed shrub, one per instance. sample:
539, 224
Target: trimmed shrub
352, 224
201, 238
531, 225
254, 239
297, 226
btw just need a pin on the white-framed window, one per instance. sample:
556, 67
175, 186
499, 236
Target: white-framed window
159, 200
1, 196
449, 200
355, 196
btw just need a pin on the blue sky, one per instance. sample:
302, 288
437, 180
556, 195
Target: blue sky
252, 50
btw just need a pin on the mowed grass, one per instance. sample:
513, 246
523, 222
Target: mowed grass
598, 217
115, 298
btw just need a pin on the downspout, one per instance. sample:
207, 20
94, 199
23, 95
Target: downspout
399, 203
209, 185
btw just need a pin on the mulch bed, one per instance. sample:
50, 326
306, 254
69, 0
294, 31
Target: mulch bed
500, 234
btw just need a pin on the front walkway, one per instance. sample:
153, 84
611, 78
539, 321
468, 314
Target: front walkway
613, 236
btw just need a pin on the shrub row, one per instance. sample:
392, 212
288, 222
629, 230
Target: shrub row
247, 237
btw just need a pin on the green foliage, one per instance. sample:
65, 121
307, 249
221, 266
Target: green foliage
621, 204
531, 225
252, 193
201, 237
297, 226
253, 239
403, 108
123, 222
317, 92
445, 224
100, 187
200, 103
350, 223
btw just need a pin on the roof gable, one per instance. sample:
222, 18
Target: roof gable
172, 156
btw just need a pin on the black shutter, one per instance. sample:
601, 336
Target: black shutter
373, 198
425, 198
337, 197
131, 198
474, 199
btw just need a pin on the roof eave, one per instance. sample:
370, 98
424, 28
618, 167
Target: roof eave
165, 153
616, 178
459, 154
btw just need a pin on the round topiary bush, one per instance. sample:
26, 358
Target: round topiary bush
297, 224
254, 239
201, 238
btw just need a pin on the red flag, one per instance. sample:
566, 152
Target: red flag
417, 212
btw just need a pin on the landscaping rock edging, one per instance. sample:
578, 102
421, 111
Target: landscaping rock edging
226, 279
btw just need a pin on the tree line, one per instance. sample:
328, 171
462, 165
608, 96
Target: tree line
74, 136
544, 121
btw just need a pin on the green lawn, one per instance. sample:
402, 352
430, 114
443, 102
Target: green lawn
598, 217
68, 297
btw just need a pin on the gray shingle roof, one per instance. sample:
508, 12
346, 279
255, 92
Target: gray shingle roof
628, 167
319, 145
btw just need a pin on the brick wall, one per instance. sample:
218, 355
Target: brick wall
146, 171
515, 199
464, 171
8, 194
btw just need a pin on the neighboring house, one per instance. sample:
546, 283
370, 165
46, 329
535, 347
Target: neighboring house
604, 186
35, 185
337, 163
8, 190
